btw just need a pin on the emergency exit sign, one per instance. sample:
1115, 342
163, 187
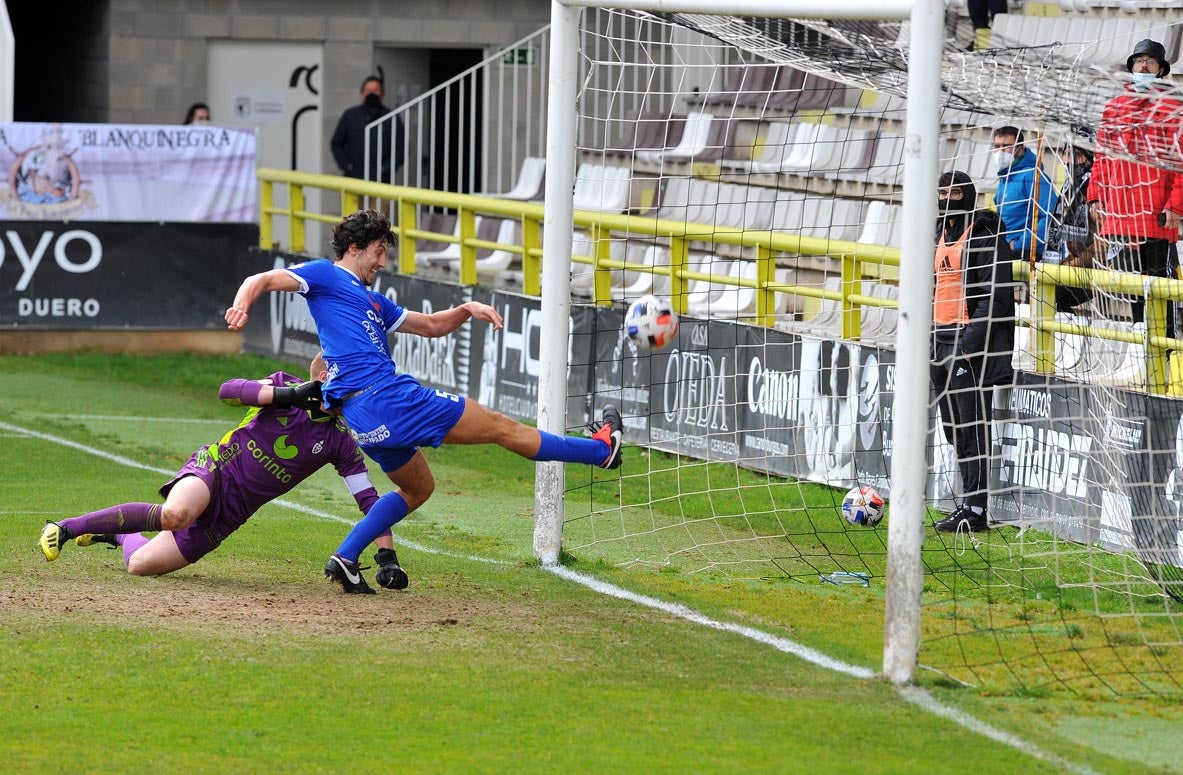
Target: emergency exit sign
526, 56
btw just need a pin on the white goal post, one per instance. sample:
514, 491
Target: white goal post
921, 168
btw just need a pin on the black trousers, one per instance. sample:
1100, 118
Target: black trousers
966, 409
1153, 258
982, 12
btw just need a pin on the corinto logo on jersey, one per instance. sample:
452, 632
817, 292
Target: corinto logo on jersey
269, 463
30, 261
283, 450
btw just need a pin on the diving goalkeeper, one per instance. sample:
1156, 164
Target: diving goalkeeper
283, 439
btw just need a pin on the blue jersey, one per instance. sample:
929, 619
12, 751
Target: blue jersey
353, 323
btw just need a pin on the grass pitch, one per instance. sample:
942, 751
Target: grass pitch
250, 662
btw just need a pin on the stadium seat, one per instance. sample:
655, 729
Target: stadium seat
727, 301
602, 187
746, 87
637, 284
529, 185
769, 145
491, 262
692, 143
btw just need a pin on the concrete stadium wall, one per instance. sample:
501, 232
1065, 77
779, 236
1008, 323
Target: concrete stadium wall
159, 48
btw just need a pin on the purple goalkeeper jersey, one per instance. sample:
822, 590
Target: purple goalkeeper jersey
272, 450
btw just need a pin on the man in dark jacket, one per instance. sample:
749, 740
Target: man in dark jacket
973, 336
1071, 241
349, 140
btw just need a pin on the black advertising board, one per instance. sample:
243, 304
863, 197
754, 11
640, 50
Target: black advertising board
1090, 463
119, 275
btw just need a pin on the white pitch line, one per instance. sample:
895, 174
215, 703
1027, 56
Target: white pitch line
131, 418
914, 695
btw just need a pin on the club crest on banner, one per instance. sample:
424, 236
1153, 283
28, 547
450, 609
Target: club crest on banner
44, 181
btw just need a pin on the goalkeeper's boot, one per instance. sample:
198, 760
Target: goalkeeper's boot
349, 574
390, 575
53, 537
89, 539
963, 518
609, 432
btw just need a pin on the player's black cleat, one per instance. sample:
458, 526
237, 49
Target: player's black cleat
349, 574
963, 518
609, 432
89, 539
390, 575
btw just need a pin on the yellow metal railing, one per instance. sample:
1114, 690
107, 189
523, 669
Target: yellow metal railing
854, 259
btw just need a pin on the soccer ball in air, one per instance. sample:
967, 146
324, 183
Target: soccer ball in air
863, 505
651, 322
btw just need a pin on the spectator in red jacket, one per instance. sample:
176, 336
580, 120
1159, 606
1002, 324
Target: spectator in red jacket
1135, 187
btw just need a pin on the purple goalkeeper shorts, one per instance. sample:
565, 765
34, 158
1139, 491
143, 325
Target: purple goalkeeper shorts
214, 524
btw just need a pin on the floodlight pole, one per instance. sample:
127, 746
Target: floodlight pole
909, 466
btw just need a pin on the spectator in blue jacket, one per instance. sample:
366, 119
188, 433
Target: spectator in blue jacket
1017, 166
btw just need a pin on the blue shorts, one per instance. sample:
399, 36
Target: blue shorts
393, 419
215, 523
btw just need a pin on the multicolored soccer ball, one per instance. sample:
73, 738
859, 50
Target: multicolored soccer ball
863, 505
651, 322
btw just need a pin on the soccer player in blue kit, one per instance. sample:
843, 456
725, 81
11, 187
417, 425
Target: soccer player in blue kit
280, 442
390, 414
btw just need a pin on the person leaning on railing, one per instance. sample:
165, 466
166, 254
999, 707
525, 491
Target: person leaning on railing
1136, 192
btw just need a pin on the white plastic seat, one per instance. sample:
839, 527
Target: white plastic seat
637, 284
437, 257
728, 301
693, 142
602, 187
529, 182
498, 259
777, 136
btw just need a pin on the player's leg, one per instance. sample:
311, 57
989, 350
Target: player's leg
481, 425
414, 482
124, 518
187, 499
154, 557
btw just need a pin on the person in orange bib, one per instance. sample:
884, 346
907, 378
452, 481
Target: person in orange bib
973, 337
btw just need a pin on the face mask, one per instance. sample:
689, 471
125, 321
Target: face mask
1142, 81
1003, 159
947, 207
373, 101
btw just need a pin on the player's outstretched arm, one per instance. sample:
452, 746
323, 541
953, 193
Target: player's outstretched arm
448, 320
252, 288
246, 392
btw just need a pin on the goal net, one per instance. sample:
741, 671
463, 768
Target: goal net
760, 164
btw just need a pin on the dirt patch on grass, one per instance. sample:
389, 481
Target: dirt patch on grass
233, 607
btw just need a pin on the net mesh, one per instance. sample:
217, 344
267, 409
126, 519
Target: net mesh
749, 131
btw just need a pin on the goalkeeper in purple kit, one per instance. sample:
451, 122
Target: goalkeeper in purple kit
391, 414
283, 439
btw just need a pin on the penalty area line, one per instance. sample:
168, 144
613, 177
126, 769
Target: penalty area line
914, 695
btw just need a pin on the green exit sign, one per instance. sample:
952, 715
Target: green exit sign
524, 57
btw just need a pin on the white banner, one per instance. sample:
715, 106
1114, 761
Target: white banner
110, 172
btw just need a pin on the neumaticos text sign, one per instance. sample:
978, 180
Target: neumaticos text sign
119, 275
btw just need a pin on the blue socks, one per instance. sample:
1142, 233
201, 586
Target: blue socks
387, 511
571, 449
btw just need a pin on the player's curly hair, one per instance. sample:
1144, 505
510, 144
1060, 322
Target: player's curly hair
361, 228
